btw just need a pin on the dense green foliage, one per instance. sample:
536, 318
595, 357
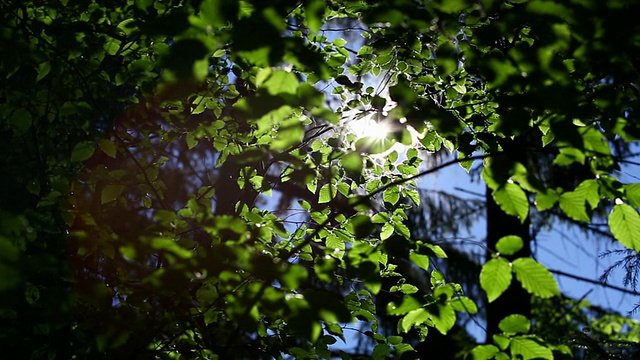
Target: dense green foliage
181, 179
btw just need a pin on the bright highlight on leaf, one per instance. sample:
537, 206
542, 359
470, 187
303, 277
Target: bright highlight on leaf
495, 278
421, 260
515, 324
526, 348
513, 200
624, 222
535, 278
509, 245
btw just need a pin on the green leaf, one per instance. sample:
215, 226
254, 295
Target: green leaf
314, 11
509, 245
281, 82
436, 250
409, 303
443, 317
454, 6
8, 250
327, 193
335, 246
43, 70
339, 42
414, 195
128, 251
501, 341
421, 260
381, 351
352, 162
463, 304
408, 289
624, 222
595, 141
512, 200
290, 133
632, 191
413, 318
391, 195
110, 193
218, 12
484, 352
574, 205
21, 120
590, 189
495, 278
515, 324
192, 141
168, 244
335, 329
82, 151
293, 278
402, 229
568, 156
108, 147
546, 200
529, 349
31, 293
535, 278
386, 231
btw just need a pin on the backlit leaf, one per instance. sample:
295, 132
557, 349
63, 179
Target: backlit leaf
515, 324
281, 82
290, 133
409, 303
327, 193
413, 318
512, 200
463, 304
535, 278
574, 205
633, 194
352, 162
546, 200
509, 245
495, 278
443, 317
314, 10
421, 261
386, 231
484, 352
168, 244
529, 349
624, 222
391, 195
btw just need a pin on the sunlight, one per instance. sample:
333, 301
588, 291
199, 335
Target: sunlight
368, 127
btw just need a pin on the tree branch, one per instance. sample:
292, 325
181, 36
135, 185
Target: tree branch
595, 282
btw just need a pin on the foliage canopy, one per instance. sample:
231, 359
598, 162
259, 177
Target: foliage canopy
182, 178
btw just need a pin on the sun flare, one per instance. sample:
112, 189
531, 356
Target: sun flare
370, 128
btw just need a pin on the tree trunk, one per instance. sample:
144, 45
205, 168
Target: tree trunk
515, 300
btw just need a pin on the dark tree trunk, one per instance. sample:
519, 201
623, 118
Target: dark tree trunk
515, 300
